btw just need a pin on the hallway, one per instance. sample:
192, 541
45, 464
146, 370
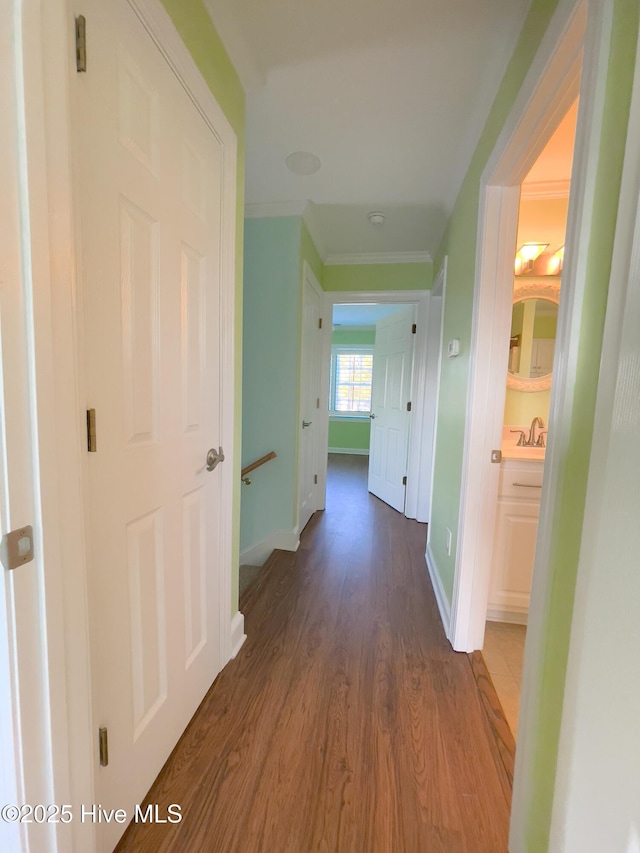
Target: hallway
346, 723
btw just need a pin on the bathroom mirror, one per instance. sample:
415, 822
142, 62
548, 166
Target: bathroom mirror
534, 320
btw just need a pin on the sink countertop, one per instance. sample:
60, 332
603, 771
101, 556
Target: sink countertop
514, 452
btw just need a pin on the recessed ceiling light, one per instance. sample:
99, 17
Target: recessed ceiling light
303, 163
376, 217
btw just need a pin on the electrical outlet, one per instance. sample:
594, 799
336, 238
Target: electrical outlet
448, 542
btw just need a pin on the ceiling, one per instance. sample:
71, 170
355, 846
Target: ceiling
544, 202
391, 96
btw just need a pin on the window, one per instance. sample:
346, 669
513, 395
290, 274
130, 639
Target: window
350, 380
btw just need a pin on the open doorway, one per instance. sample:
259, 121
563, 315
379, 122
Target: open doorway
420, 393
537, 291
370, 390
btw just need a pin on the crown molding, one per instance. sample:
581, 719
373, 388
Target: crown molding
379, 258
273, 209
545, 189
315, 230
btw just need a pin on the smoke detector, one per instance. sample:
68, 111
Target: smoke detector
376, 217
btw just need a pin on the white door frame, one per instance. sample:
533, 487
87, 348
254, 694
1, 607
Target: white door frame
571, 60
57, 331
420, 298
552, 85
319, 495
428, 392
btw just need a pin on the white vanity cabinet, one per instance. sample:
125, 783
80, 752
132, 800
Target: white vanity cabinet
515, 539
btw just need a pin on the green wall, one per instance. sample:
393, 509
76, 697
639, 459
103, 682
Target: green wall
356, 337
460, 246
270, 374
346, 277
352, 433
521, 407
194, 25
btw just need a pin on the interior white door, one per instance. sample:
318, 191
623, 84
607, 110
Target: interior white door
149, 188
309, 399
390, 417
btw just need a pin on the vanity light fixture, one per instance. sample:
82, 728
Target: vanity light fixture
526, 255
555, 262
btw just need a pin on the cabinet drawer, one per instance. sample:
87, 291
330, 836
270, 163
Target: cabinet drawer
521, 482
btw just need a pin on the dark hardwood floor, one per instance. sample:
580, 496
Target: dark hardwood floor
346, 723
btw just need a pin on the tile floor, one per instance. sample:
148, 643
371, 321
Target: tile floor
503, 652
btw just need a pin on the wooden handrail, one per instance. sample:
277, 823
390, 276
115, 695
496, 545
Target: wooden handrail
258, 463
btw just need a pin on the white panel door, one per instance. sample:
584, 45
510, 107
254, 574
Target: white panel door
309, 399
390, 393
150, 188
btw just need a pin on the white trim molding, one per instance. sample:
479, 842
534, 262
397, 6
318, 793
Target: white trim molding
540, 190
281, 540
442, 600
378, 258
502, 614
350, 451
238, 635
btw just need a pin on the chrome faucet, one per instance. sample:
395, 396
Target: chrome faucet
532, 441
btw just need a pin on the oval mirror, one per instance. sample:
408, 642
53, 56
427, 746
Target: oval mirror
534, 320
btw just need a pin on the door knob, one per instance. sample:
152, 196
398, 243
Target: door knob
306, 424
372, 416
214, 457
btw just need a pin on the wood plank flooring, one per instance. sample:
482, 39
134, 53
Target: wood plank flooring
346, 723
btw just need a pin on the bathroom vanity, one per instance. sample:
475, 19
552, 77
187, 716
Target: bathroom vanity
517, 515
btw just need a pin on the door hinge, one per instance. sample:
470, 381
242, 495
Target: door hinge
414, 329
315, 479
408, 407
317, 402
103, 746
81, 43
320, 322
404, 481
92, 438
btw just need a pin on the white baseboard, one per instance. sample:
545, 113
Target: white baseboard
238, 635
351, 451
514, 616
442, 601
257, 555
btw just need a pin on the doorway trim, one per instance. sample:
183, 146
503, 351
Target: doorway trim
547, 94
571, 61
308, 276
420, 298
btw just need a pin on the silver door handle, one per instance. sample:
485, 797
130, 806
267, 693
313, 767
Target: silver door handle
214, 457
306, 424
372, 416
